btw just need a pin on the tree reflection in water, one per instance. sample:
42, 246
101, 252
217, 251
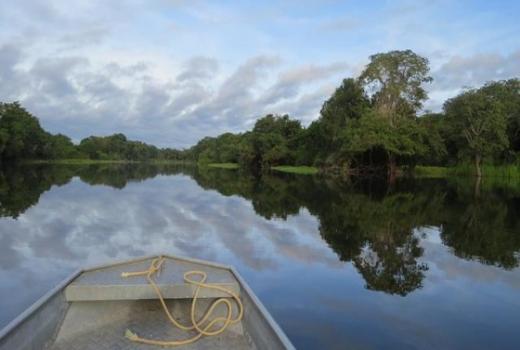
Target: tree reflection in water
369, 223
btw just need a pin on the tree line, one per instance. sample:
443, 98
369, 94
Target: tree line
370, 124
22, 137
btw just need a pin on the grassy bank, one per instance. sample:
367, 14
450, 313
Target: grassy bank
504, 171
431, 171
306, 170
222, 165
282, 168
99, 161
488, 171
77, 161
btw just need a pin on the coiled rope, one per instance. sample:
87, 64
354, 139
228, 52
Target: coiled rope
195, 325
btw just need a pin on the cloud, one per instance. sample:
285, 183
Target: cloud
198, 68
53, 76
93, 67
475, 70
289, 82
233, 101
307, 106
10, 79
458, 72
84, 37
340, 25
241, 83
169, 212
75, 96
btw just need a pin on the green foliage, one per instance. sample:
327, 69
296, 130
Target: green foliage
395, 81
368, 124
313, 144
224, 165
83, 161
348, 103
221, 149
432, 136
430, 171
21, 135
61, 147
507, 94
4, 137
117, 147
304, 170
381, 132
372, 134
274, 140
479, 123
373, 131
511, 171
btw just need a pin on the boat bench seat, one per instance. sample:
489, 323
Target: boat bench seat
108, 284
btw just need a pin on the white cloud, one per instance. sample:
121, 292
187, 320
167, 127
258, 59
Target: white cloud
472, 71
171, 72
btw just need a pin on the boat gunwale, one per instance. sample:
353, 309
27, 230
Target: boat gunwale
26, 314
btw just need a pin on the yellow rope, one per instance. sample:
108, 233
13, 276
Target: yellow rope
195, 325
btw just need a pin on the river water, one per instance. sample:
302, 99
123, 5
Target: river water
419, 264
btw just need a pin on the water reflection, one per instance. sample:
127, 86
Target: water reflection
373, 225
280, 231
367, 223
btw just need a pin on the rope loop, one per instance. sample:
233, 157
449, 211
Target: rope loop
198, 326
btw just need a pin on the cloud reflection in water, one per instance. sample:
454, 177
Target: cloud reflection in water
306, 257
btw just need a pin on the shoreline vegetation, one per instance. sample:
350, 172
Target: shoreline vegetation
497, 172
304, 170
81, 161
373, 124
467, 170
222, 165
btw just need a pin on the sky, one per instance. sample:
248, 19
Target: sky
169, 72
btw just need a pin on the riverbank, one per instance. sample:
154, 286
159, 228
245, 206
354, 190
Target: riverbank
100, 161
77, 161
223, 165
463, 170
304, 170
430, 171
466, 170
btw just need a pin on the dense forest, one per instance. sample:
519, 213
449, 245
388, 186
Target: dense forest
370, 124
22, 137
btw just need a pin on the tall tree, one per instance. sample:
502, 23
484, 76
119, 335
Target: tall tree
21, 135
272, 138
395, 81
373, 133
507, 93
432, 132
480, 123
348, 102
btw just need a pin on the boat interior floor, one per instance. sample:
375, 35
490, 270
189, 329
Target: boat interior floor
102, 324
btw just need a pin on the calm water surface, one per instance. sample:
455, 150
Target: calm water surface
422, 264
